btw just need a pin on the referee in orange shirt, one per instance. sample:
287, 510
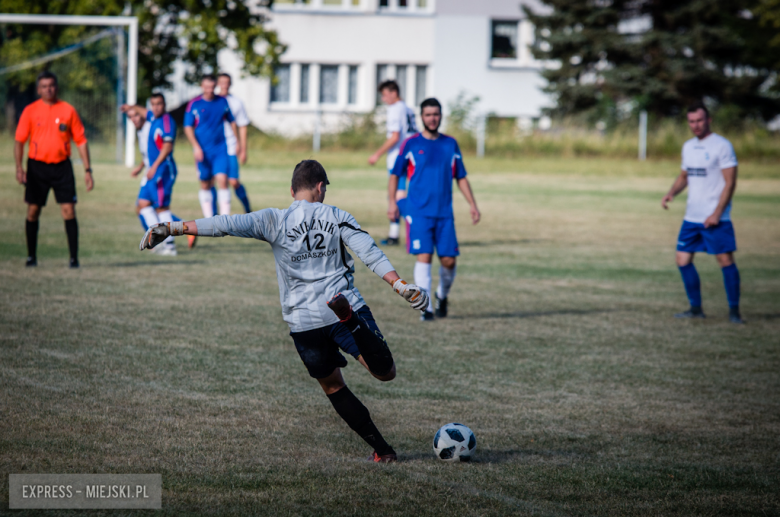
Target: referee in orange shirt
49, 124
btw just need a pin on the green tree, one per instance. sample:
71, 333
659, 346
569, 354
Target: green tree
659, 55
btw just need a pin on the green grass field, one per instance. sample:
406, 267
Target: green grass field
561, 353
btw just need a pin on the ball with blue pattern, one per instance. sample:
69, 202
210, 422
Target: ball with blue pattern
454, 442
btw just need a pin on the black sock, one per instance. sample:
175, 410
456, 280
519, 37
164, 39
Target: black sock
372, 346
357, 417
32, 238
72, 229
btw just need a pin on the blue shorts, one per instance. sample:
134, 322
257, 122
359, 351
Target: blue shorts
233, 167
213, 164
158, 191
401, 180
319, 348
423, 234
694, 237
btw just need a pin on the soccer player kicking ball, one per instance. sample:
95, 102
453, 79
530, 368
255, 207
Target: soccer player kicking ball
400, 125
430, 161
320, 303
709, 170
156, 133
203, 125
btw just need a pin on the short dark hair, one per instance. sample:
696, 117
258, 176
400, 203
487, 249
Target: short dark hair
158, 95
47, 75
390, 84
223, 74
430, 102
696, 106
208, 77
307, 174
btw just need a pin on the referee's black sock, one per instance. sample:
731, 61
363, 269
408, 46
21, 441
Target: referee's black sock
72, 229
372, 346
31, 228
357, 417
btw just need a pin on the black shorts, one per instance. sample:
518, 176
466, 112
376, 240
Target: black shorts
319, 348
43, 176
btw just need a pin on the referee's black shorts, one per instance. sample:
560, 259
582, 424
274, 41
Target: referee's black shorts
42, 176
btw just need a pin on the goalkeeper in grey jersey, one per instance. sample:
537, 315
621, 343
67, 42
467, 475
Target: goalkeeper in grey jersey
320, 302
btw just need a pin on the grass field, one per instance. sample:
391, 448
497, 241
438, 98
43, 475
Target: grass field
586, 396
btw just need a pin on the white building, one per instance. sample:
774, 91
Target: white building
339, 50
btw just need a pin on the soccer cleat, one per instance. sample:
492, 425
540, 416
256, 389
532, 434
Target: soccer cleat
390, 241
31, 262
191, 240
440, 305
340, 307
735, 317
426, 316
74, 263
692, 313
385, 458
165, 250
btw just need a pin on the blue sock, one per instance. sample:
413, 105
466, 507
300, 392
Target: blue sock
731, 281
214, 200
692, 284
175, 218
143, 222
241, 194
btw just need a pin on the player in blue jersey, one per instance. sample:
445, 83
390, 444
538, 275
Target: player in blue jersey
709, 171
156, 135
430, 161
204, 126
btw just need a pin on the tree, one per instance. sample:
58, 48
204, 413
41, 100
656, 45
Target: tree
659, 55
191, 30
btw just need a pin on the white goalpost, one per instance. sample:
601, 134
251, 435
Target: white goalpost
131, 22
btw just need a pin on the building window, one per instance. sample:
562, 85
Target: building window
400, 78
353, 85
383, 3
280, 92
329, 84
304, 84
402, 3
421, 86
381, 76
504, 40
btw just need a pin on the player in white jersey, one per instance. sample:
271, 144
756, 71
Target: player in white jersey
236, 143
709, 170
401, 125
320, 302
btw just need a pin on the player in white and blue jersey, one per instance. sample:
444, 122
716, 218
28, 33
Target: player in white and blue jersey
156, 136
430, 161
320, 303
709, 170
204, 126
401, 124
236, 143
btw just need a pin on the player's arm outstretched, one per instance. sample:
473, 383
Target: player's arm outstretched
678, 186
366, 249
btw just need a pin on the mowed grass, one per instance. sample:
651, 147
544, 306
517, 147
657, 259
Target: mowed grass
561, 353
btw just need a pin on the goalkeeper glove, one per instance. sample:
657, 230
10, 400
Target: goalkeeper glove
159, 232
418, 298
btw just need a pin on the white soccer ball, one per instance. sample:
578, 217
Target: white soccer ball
454, 442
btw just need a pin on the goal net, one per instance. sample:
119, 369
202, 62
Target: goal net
91, 74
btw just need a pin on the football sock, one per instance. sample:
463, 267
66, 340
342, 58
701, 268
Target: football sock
241, 195
357, 417
223, 196
167, 217
72, 229
692, 285
395, 230
422, 277
446, 278
214, 207
731, 281
31, 228
372, 345
143, 222
175, 217
206, 203
149, 216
